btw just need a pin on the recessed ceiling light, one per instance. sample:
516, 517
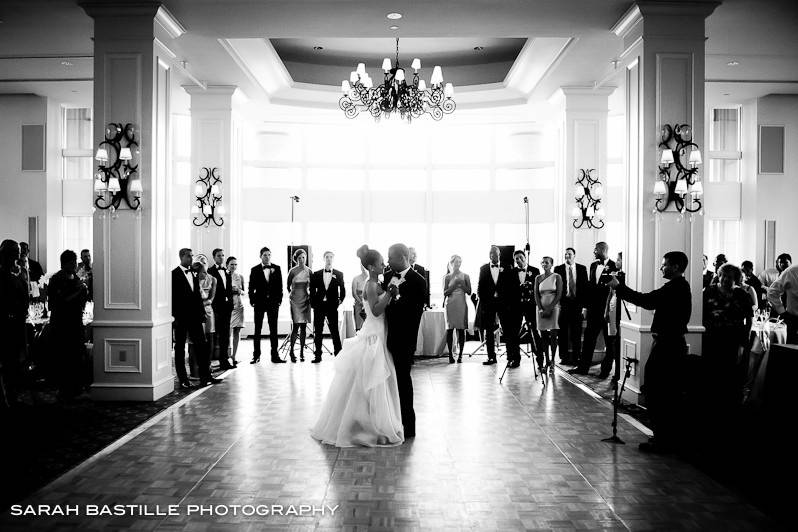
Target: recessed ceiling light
394, 27
733, 63
478, 48
67, 63
317, 48
394, 16
727, 94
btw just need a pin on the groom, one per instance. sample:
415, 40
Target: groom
403, 315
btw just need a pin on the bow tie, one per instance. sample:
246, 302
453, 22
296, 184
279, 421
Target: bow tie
494, 265
187, 271
268, 266
222, 268
327, 271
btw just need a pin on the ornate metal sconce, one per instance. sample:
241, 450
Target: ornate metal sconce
588, 192
116, 179
678, 181
208, 199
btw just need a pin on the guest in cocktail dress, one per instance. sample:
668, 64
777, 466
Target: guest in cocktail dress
456, 286
237, 316
548, 291
299, 299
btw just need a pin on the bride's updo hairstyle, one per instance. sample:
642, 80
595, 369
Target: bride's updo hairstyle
368, 257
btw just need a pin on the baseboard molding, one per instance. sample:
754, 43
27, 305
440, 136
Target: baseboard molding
113, 391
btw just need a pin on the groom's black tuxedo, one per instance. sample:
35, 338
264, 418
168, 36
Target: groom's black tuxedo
403, 316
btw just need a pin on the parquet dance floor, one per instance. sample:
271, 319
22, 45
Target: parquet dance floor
488, 456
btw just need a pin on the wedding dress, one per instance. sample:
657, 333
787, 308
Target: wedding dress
362, 404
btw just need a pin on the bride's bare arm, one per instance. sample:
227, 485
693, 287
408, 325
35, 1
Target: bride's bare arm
377, 301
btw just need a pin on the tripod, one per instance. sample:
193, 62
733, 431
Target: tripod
616, 401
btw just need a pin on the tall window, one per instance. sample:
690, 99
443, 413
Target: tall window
723, 235
442, 188
77, 165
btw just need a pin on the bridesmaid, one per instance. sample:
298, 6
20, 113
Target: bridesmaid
237, 317
548, 291
299, 300
207, 288
358, 285
456, 286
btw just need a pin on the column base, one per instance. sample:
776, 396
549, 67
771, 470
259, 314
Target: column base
132, 391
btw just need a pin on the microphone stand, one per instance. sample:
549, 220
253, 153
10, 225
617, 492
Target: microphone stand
617, 401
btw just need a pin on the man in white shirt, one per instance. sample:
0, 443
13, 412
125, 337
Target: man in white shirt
786, 287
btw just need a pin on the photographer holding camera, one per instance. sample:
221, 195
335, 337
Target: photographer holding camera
672, 307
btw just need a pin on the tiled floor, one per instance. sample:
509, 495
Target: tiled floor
488, 456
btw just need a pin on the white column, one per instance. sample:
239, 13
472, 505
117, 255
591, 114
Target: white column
664, 61
132, 327
214, 144
584, 125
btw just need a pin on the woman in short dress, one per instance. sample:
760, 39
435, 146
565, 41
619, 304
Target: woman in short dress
299, 299
237, 317
548, 291
207, 288
358, 285
456, 286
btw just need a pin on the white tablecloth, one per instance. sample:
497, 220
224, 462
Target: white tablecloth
346, 323
432, 333
766, 335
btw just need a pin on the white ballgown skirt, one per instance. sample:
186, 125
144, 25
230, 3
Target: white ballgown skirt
362, 404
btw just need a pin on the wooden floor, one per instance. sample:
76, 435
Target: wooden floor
488, 456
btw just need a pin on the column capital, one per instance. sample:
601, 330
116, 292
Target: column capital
582, 98
646, 9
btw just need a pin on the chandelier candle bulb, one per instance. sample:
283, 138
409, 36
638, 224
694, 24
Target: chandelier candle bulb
386, 64
659, 188
695, 158
198, 190
681, 187
590, 212
353, 77
667, 157
579, 192
135, 186
697, 188
194, 209
598, 191
125, 154
576, 212
102, 154
400, 74
206, 210
344, 86
361, 69
448, 91
422, 85
416, 65
215, 190
437, 76
113, 185
221, 210
99, 185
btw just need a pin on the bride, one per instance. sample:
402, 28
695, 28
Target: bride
362, 404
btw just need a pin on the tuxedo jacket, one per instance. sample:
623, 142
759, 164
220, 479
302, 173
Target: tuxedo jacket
223, 300
263, 293
186, 300
424, 273
598, 290
526, 289
332, 295
403, 315
581, 282
506, 287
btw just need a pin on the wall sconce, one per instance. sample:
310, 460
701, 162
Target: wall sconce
678, 181
116, 178
588, 192
208, 199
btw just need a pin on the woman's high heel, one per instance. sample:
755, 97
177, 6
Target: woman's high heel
459, 359
451, 359
293, 358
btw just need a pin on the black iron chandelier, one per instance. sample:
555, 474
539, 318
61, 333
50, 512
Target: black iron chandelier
208, 199
396, 95
678, 181
116, 174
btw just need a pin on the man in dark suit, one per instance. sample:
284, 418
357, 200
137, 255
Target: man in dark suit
423, 272
327, 290
708, 274
189, 315
403, 316
526, 291
35, 271
574, 278
266, 294
597, 294
222, 306
499, 295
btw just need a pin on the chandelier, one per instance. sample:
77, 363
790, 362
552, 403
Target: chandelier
396, 95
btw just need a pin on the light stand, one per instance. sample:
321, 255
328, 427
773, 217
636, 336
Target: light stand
616, 401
